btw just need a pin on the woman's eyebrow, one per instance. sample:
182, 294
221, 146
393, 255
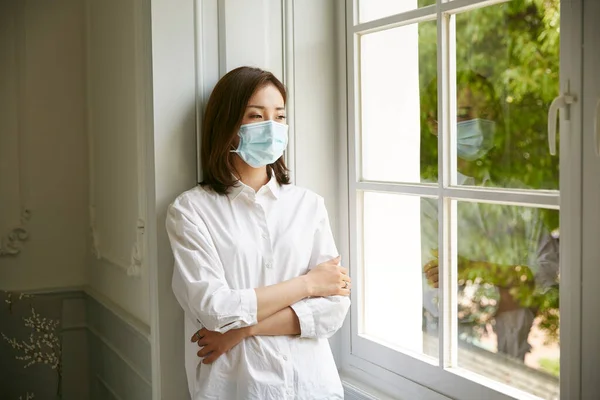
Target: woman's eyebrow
262, 107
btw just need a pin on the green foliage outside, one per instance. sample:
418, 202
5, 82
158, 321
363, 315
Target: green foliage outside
552, 366
515, 47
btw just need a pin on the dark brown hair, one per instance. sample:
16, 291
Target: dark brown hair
222, 120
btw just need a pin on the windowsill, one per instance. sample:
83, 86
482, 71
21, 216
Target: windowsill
361, 390
363, 380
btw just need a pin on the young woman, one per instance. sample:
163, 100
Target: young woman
256, 268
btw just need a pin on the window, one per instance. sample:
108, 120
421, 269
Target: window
451, 180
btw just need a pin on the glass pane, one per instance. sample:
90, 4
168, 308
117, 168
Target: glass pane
398, 75
507, 75
369, 10
399, 238
508, 280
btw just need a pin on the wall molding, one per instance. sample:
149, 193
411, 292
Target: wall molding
13, 242
119, 354
12, 57
132, 264
108, 387
289, 80
141, 328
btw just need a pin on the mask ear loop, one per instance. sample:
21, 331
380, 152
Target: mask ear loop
233, 148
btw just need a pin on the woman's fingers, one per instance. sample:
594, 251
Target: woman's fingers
203, 352
212, 357
433, 280
431, 272
433, 264
198, 335
344, 288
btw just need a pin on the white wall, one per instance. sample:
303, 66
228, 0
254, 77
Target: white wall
118, 62
255, 41
315, 105
171, 169
42, 142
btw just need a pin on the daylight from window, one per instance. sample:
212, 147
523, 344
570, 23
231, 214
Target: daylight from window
506, 74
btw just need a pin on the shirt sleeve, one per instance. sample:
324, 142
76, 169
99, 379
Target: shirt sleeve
198, 281
321, 317
548, 262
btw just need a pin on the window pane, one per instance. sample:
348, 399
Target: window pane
399, 238
398, 75
508, 279
507, 75
369, 10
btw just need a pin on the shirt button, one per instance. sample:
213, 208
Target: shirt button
265, 236
268, 265
285, 358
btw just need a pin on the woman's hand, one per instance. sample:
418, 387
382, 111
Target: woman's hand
214, 344
329, 279
431, 270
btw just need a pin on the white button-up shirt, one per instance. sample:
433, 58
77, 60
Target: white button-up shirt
224, 247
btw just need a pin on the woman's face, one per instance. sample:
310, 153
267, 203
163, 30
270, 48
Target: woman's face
471, 104
264, 105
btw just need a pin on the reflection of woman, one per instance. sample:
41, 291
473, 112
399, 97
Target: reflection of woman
256, 271
497, 244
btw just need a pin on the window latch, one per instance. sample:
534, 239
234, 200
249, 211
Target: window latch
562, 101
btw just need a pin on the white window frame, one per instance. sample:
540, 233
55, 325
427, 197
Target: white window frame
412, 376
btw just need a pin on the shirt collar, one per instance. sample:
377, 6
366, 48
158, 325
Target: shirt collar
239, 187
274, 186
236, 190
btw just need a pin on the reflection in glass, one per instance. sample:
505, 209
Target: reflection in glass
508, 280
513, 92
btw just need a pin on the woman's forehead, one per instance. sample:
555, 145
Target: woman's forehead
267, 96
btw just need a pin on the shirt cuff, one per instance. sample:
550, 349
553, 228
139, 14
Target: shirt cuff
249, 306
306, 319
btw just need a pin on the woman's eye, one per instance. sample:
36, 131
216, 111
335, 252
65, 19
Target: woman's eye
255, 116
282, 117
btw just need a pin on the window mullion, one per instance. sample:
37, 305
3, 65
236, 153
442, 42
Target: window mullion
354, 158
447, 207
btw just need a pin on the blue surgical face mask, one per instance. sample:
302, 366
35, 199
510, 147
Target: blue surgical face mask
474, 138
262, 143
